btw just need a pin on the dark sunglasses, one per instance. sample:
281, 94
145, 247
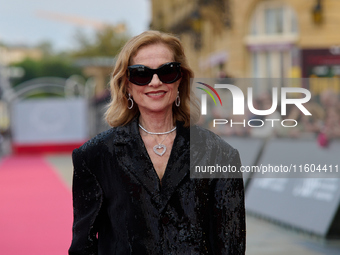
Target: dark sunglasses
142, 75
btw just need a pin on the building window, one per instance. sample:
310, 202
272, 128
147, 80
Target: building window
273, 32
273, 19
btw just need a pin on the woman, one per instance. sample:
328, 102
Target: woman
132, 191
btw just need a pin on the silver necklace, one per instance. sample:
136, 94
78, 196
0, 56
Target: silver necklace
160, 148
160, 133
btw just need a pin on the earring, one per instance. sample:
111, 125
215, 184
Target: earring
178, 100
131, 100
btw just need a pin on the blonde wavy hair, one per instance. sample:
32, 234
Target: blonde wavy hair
117, 113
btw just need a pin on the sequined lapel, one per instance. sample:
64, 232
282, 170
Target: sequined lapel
178, 164
130, 148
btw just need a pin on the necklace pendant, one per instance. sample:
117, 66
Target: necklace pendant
159, 149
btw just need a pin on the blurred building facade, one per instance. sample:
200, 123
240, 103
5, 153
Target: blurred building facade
14, 54
255, 38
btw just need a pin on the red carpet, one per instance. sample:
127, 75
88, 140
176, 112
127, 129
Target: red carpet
35, 208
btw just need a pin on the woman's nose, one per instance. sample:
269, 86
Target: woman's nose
155, 81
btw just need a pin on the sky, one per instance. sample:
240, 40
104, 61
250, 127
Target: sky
20, 23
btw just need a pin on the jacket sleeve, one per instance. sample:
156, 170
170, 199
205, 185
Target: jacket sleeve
87, 201
227, 227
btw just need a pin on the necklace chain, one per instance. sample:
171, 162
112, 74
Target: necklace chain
159, 148
162, 140
157, 133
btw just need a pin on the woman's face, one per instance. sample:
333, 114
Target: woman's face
156, 97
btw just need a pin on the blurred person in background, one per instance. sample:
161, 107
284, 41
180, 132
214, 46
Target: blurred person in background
268, 125
330, 128
132, 191
308, 125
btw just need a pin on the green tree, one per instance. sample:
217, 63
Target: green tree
107, 42
55, 66
46, 47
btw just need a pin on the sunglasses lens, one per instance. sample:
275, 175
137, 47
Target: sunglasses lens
140, 75
169, 73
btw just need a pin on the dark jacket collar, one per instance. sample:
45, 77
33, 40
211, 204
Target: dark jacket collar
128, 141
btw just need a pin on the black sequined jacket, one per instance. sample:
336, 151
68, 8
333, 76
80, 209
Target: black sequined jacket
121, 207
